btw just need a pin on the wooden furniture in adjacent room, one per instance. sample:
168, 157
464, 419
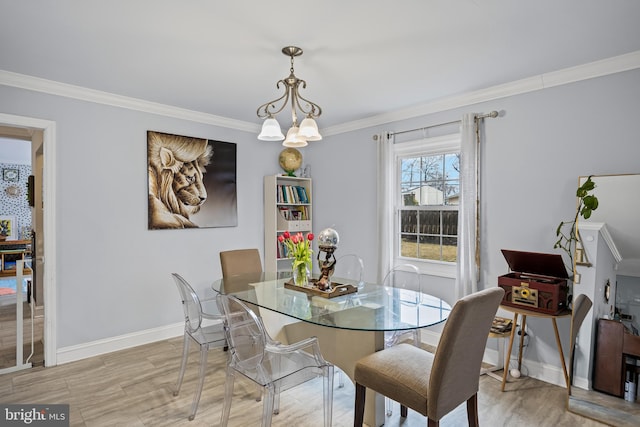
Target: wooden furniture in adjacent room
12, 250
614, 343
524, 313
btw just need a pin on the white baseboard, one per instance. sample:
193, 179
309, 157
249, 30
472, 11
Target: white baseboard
543, 372
540, 371
108, 345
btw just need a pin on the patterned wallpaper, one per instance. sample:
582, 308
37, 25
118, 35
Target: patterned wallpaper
13, 196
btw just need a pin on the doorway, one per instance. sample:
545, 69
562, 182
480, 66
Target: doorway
19, 297
41, 134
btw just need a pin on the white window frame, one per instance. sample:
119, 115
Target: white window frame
426, 147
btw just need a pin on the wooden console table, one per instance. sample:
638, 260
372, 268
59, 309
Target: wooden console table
15, 249
524, 313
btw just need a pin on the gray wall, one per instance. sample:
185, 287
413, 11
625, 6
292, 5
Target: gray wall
113, 274
531, 161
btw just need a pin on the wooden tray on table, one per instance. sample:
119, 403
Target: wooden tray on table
338, 289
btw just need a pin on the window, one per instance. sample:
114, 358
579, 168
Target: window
426, 193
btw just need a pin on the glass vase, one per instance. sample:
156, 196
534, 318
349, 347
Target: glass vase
301, 275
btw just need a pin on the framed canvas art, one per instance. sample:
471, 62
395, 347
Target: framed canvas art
191, 182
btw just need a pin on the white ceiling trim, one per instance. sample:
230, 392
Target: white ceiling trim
604, 232
590, 70
51, 87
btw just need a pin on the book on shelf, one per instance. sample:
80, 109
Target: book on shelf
293, 194
284, 211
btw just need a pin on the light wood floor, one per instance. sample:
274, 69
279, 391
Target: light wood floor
8, 335
134, 387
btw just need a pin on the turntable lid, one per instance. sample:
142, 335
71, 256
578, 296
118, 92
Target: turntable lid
550, 265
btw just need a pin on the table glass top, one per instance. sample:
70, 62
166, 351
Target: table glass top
372, 308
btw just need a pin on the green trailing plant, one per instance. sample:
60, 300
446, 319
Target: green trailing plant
587, 203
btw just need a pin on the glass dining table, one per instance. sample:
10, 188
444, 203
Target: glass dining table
348, 326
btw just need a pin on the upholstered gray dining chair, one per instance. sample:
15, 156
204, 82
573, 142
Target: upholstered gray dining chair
434, 385
240, 261
206, 337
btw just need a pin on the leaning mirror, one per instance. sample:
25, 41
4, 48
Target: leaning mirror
607, 347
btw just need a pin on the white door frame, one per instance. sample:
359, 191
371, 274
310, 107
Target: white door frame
48, 129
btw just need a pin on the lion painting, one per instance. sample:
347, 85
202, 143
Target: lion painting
176, 165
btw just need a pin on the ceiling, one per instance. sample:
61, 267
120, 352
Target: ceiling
362, 58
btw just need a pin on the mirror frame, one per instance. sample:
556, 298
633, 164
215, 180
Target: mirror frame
588, 402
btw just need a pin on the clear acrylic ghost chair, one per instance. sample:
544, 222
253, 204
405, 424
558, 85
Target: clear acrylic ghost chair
206, 337
403, 276
273, 366
351, 268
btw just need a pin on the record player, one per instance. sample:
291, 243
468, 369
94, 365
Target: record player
537, 282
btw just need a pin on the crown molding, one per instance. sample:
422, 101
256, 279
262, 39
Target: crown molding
604, 232
51, 87
587, 71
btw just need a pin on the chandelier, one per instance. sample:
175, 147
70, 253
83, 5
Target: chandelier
298, 135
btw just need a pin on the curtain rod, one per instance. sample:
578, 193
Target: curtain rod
493, 114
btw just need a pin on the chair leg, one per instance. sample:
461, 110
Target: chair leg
183, 364
358, 416
228, 395
268, 404
327, 400
432, 423
388, 406
202, 372
276, 400
472, 410
404, 411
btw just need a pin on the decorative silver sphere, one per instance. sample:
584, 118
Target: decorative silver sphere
328, 238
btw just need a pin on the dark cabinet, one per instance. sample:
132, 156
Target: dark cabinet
608, 367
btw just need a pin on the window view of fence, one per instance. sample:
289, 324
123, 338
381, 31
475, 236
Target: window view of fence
430, 188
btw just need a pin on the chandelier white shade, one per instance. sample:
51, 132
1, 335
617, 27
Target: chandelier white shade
294, 139
297, 135
271, 130
309, 130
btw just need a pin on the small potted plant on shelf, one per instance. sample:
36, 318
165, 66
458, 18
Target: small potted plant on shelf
569, 240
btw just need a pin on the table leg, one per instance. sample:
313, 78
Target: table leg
522, 329
559, 343
508, 355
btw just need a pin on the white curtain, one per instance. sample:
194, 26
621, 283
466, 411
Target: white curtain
468, 251
385, 204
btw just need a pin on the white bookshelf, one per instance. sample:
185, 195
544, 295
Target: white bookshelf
287, 207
